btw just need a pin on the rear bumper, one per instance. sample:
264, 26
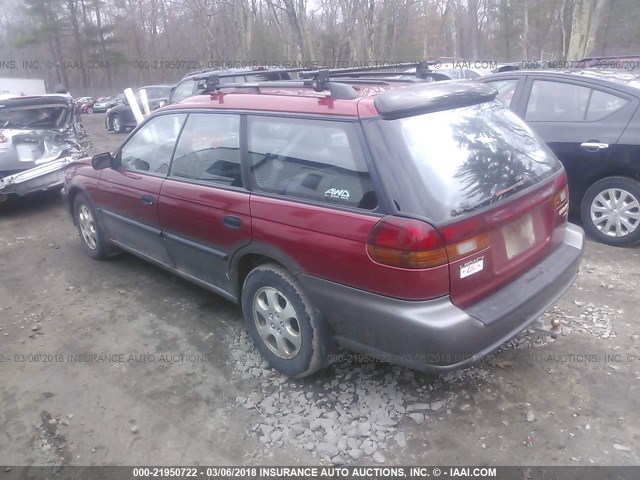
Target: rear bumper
38, 178
435, 335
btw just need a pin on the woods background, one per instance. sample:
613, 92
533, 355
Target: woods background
99, 47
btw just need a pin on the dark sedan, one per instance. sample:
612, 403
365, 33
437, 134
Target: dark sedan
120, 118
591, 121
102, 106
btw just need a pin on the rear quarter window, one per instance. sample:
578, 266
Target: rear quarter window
552, 101
314, 160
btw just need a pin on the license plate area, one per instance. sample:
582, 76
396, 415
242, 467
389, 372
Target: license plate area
27, 152
519, 236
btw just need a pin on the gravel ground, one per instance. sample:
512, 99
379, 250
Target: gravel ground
175, 380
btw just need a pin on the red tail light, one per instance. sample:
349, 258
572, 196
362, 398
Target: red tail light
406, 243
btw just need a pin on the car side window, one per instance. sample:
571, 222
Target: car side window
150, 148
557, 102
310, 159
182, 91
506, 90
603, 104
209, 149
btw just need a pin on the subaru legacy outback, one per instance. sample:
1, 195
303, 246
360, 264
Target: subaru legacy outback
425, 225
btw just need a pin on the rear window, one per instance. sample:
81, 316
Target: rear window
463, 159
36, 117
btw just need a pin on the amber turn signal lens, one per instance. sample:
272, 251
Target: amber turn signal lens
407, 259
561, 197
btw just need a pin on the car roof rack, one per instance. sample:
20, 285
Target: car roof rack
319, 83
235, 72
381, 71
339, 82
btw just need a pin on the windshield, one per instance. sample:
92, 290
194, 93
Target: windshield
466, 158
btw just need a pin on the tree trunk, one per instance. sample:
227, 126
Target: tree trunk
580, 28
525, 32
564, 29
103, 45
598, 27
72, 6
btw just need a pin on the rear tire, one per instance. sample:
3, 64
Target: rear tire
116, 124
285, 327
610, 211
91, 234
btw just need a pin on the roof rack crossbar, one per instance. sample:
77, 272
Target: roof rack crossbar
395, 68
320, 83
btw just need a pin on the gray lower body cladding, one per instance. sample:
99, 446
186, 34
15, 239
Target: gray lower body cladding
436, 335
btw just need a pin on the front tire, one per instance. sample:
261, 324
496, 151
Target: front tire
90, 110
610, 211
285, 327
89, 229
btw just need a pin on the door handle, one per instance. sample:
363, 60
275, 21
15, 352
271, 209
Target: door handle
232, 221
594, 145
147, 199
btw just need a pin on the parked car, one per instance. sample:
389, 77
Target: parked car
120, 117
590, 119
85, 104
102, 106
194, 83
39, 137
431, 212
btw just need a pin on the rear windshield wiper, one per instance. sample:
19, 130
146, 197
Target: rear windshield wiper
494, 196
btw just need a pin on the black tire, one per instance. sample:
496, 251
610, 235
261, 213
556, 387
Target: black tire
99, 250
89, 110
312, 352
631, 189
116, 124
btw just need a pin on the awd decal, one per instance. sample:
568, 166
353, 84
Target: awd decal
337, 193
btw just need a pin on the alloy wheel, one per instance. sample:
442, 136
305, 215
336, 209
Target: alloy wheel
87, 227
615, 212
277, 322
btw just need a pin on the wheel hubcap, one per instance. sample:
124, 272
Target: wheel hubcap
87, 227
615, 212
116, 123
277, 322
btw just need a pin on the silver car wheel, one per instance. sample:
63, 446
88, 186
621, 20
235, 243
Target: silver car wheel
615, 212
87, 227
277, 322
115, 123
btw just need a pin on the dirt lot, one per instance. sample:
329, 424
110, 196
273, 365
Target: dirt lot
174, 381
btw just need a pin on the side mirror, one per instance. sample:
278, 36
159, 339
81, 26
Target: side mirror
101, 161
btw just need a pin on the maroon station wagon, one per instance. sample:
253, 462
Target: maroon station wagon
424, 225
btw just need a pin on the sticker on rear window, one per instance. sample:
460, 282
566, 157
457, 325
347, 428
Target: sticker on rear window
472, 267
